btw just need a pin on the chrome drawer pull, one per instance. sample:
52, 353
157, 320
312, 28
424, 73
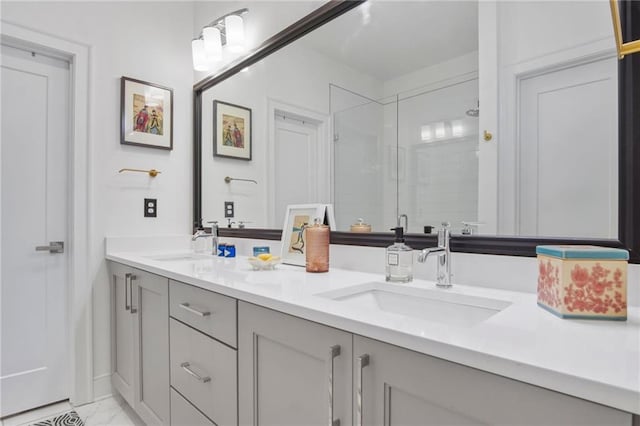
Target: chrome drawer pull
334, 351
361, 362
187, 307
185, 367
132, 309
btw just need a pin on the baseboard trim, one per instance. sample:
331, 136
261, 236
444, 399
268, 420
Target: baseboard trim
102, 387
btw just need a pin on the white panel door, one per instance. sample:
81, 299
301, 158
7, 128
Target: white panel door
34, 369
568, 152
296, 164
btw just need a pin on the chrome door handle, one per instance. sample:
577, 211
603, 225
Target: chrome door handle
187, 307
334, 351
131, 278
127, 306
53, 247
185, 366
362, 362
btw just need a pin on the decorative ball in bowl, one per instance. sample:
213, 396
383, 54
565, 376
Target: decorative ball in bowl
264, 262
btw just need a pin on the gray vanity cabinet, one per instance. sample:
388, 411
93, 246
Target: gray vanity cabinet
121, 332
396, 386
140, 336
292, 371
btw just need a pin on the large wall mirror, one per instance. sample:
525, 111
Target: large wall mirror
468, 112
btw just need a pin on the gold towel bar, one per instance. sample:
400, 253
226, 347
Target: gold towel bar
152, 172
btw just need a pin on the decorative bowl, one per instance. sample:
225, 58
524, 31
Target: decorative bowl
259, 264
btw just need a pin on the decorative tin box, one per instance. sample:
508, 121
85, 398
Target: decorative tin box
586, 282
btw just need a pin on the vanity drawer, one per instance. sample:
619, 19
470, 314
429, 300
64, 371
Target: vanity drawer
185, 414
203, 370
209, 312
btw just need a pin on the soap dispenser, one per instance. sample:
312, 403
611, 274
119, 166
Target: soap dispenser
399, 259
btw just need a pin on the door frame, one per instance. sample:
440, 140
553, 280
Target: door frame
79, 296
325, 153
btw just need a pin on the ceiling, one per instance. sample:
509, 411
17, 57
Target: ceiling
387, 39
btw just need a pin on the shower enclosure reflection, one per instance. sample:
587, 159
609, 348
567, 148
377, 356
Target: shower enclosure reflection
413, 153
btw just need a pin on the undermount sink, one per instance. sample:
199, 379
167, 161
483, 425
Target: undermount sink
437, 305
181, 256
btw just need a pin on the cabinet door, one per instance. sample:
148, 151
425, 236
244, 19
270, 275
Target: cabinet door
291, 371
150, 306
402, 387
121, 331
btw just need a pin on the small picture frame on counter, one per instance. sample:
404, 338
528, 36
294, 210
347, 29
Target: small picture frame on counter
293, 231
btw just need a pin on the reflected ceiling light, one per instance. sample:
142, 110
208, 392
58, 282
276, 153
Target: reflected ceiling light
440, 131
226, 31
425, 133
457, 129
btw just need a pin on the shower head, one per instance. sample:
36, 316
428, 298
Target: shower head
475, 112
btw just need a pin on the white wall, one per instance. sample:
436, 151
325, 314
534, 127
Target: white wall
148, 41
530, 29
294, 76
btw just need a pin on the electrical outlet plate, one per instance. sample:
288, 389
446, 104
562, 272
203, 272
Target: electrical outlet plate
228, 209
150, 207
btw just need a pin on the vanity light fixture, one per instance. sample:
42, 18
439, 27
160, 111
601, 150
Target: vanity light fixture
444, 130
226, 31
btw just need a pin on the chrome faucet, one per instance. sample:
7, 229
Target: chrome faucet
201, 233
443, 251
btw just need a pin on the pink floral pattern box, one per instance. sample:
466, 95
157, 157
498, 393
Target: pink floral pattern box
586, 282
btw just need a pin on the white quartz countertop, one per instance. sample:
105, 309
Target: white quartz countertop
595, 360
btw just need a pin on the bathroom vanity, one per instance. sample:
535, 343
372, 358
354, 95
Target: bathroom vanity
206, 340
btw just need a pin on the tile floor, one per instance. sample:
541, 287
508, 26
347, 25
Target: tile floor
110, 411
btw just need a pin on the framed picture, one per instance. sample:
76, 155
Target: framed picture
231, 131
146, 114
293, 232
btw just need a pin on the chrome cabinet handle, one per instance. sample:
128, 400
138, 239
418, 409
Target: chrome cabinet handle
53, 247
362, 362
185, 366
334, 351
131, 278
187, 307
127, 306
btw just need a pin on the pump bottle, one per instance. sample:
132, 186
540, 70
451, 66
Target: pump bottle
399, 259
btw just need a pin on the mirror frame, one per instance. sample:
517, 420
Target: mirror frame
624, 48
629, 153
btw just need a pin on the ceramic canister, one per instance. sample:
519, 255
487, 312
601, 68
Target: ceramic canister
317, 247
583, 282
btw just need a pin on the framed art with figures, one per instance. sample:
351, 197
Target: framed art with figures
231, 131
146, 114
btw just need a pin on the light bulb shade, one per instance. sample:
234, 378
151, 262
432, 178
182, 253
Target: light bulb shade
199, 56
234, 26
212, 43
